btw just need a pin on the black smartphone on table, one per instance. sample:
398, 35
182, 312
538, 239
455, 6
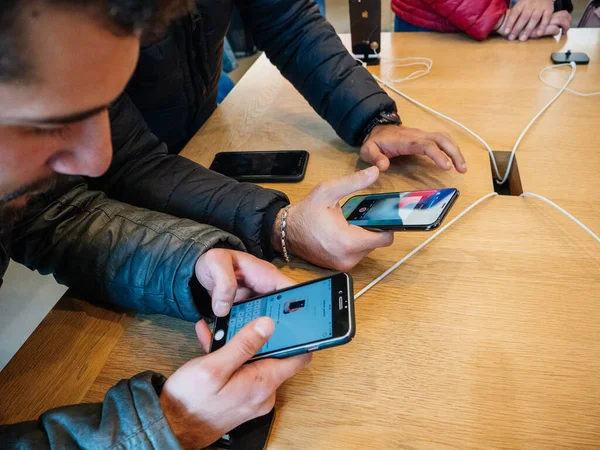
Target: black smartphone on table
399, 211
262, 167
308, 317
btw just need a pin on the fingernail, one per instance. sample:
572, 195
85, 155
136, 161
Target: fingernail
448, 165
371, 170
506, 30
221, 308
463, 166
512, 37
523, 38
264, 327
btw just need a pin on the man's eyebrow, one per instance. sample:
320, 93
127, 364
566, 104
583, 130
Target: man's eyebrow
71, 118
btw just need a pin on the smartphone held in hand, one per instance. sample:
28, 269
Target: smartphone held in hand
400, 211
308, 317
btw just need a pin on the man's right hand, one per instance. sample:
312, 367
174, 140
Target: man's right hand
211, 395
318, 232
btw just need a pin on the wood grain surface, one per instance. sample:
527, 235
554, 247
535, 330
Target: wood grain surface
59, 362
485, 339
561, 159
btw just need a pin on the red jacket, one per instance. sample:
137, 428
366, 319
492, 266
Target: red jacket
477, 18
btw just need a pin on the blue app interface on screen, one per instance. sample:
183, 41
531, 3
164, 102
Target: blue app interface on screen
301, 316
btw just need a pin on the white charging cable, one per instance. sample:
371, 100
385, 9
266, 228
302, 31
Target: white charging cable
565, 212
491, 194
572, 91
428, 63
420, 247
499, 179
408, 62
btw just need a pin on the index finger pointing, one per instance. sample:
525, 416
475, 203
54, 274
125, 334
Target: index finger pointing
260, 276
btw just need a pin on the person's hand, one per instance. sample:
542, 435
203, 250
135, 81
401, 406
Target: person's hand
211, 395
318, 232
388, 141
534, 19
231, 276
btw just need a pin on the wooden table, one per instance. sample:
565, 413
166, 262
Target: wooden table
565, 141
486, 338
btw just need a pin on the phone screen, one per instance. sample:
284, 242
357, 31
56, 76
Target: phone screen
238, 164
418, 208
302, 315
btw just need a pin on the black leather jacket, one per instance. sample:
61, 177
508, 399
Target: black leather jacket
144, 259
124, 255
141, 259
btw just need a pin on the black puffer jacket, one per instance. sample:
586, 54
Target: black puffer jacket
144, 174
176, 81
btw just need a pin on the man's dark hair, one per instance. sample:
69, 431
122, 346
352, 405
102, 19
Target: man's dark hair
150, 17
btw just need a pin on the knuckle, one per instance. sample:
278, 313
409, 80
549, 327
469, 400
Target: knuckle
323, 187
246, 348
208, 376
262, 390
347, 264
431, 148
266, 407
346, 244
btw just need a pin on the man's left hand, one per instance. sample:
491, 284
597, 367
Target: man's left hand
388, 141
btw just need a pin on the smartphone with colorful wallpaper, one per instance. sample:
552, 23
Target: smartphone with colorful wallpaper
308, 317
400, 211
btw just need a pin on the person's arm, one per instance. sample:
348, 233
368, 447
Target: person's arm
130, 417
477, 18
204, 399
308, 52
144, 174
118, 253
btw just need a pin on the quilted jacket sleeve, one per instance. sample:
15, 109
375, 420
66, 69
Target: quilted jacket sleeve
144, 174
477, 18
130, 418
114, 252
308, 52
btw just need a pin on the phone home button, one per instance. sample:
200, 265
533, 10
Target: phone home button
219, 335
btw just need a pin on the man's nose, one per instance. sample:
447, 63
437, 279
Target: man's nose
89, 152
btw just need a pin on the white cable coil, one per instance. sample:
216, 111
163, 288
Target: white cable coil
572, 91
